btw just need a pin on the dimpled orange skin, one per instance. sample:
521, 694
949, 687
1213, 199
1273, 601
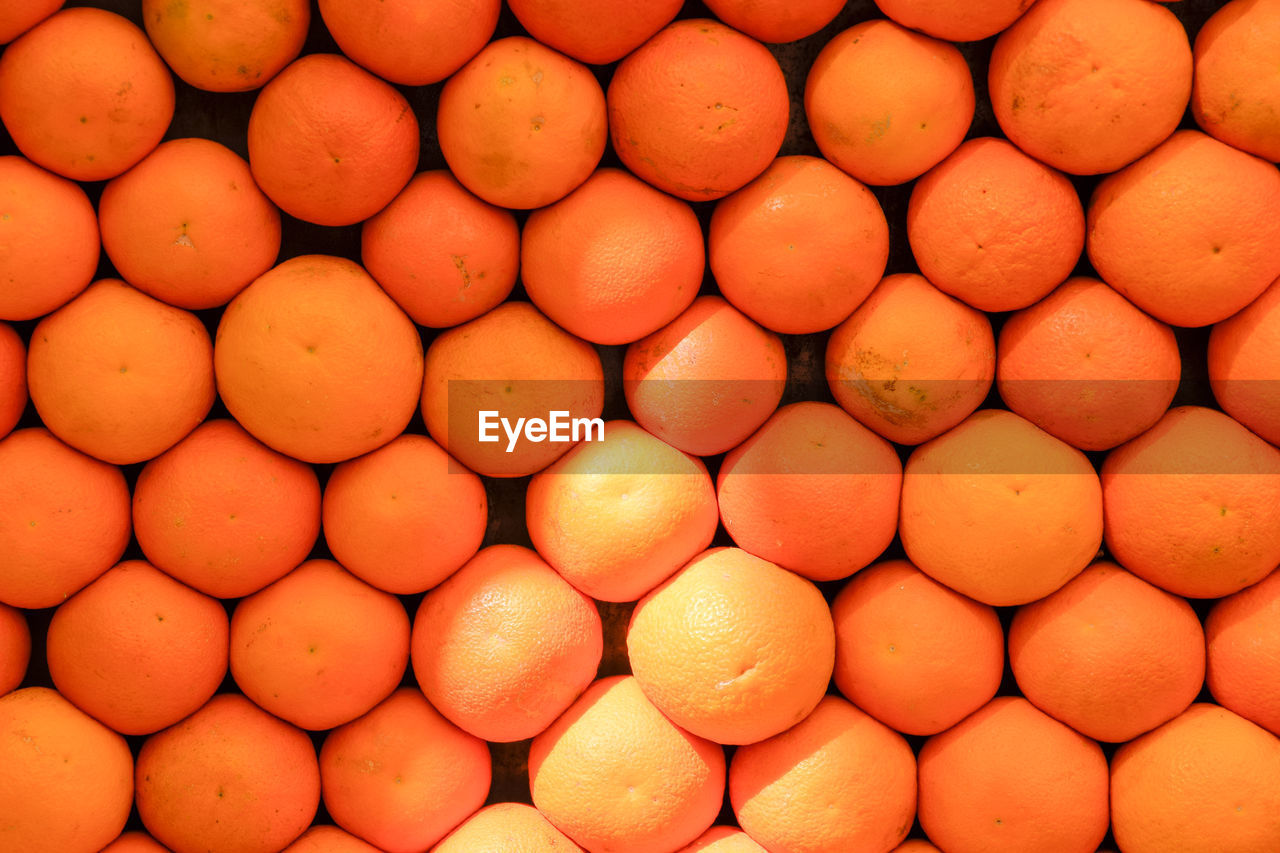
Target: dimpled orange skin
837, 780
614, 260
402, 776
188, 225
137, 649
993, 227
411, 42
1243, 636
613, 773
17, 18
1204, 780
1087, 366
325, 838
48, 239
1088, 86
698, 110
405, 516
13, 378
674, 380
1233, 97
887, 104
1193, 504
506, 828
800, 247
594, 31
1011, 777
1243, 352
47, 552
227, 45
1108, 654
66, 780
776, 21
812, 490
955, 20
999, 510
538, 132
91, 119
515, 362
723, 839
15, 640
662, 503
228, 777
135, 841
1217, 246
733, 648
911, 362
914, 654
294, 366
319, 647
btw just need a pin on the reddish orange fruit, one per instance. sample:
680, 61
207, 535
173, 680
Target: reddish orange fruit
594, 31
13, 378
16, 19
1243, 352
776, 21
495, 828
15, 648
1243, 636
1232, 96
955, 20
723, 839
326, 838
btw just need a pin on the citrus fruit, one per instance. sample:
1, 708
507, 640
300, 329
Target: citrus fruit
698, 110
1232, 96
13, 378
799, 247
1243, 636
15, 648
593, 31
723, 839
776, 21
326, 838
134, 841
1243, 352
506, 828
18, 18
733, 648
955, 20
614, 260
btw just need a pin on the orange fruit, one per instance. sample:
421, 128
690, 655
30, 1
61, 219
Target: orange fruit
539, 129
1205, 779
1108, 654
66, 780
442, 254
993, 227
955, 20
402, 776
13, 378
914, 654
1193, 504
326, 838
329, 142
15, 648
594, 31
1232, 96
1243, 352
411, 42
120, 375
138, 650
799, 247
999, 510
504, 645
1088, 86
723, 839
506, 828
91, 119
295, 368
228, 777
188, 225
776, 21
1243, 636
617, 517
1011, 777
733, 648
16, 19
227, 45
1086, 366
698, 110
1217, 247
911, 362
919, 845
64, 518
837, 780
224, 513
404, 517
48, 239
511, 363
614, 260
886, 104
707, 380
659, 793
812, 490
134, 841
319, 647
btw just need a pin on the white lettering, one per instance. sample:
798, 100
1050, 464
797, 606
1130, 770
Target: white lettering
488, 422
536, 430
588, 424
558, 428
512, 434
